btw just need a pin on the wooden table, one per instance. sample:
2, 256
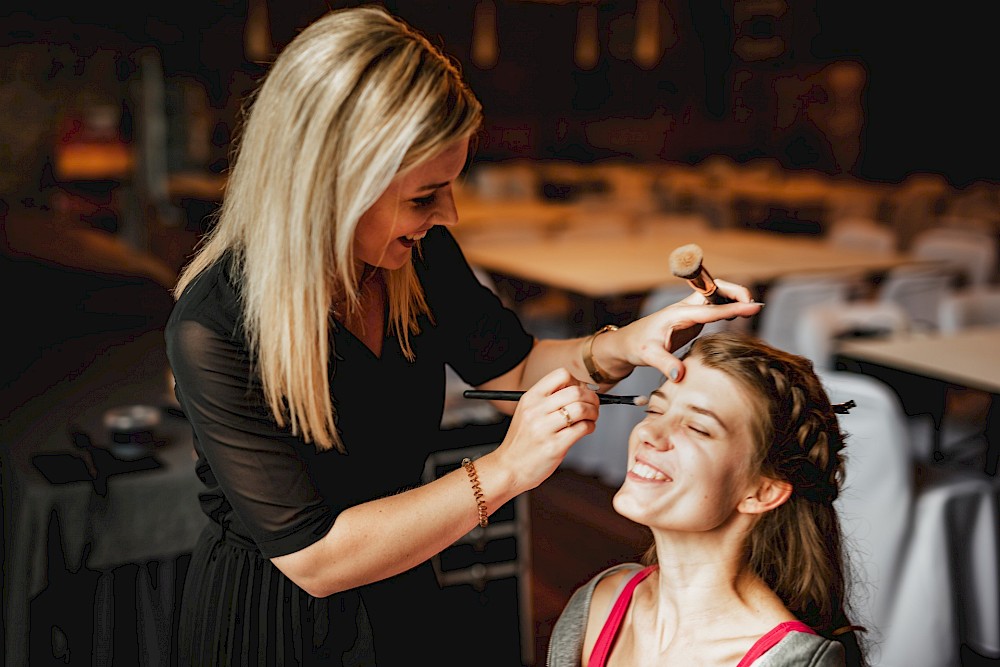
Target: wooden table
609, 265
969, 358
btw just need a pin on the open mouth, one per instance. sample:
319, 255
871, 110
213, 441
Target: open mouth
410, 240
647, 472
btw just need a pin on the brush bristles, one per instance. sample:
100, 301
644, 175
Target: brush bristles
641, 400
685, 261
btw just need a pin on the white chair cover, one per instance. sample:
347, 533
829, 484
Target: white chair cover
972, 254
919, 291
787, 299
819, 326
862, 234
969, 308
927, 552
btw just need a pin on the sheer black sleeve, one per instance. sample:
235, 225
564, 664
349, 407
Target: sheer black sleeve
257, 475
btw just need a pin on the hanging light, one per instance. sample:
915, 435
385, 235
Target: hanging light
648, 48
485, 49
587, 48
257, 45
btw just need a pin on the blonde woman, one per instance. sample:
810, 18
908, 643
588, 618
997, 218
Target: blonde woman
309, 343
734, 469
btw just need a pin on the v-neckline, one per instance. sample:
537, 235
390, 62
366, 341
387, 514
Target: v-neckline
377, 355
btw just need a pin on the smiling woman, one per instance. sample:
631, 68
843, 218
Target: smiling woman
734, 469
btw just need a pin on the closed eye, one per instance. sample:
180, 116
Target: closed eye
421, 202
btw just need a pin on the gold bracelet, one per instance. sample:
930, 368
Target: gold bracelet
477, 490
598, 374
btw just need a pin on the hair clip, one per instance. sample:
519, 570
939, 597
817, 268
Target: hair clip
844, 408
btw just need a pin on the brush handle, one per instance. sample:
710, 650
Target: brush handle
605, 399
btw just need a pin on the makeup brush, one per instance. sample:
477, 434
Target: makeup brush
686, 262
605, 399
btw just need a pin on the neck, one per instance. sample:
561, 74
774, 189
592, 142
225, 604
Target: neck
702, 573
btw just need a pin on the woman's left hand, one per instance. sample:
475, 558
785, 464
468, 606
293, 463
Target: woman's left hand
650, 341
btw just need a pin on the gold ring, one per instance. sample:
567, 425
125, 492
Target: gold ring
565, 413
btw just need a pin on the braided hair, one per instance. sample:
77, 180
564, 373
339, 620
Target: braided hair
795, 548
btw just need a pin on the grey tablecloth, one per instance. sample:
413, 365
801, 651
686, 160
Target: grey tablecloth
147, 515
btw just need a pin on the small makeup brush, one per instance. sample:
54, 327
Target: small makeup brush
687, 263
605, 399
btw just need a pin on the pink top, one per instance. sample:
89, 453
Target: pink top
599, 656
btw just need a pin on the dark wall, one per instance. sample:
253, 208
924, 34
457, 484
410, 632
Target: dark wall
926, 104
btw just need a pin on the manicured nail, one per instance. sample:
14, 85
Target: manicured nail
674, 373
593, 387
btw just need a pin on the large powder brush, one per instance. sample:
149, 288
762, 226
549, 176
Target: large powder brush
687, 263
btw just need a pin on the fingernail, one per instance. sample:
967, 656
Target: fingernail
593, 387
674, 373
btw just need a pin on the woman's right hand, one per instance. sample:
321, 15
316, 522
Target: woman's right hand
550, 417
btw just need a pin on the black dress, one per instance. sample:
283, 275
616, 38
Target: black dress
268, 493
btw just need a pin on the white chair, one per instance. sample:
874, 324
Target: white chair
787, 299
973, 255
919, 291
969, 308
926, 553
862, 234
817, 330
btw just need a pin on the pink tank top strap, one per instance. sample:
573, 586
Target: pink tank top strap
606, 639
772, 637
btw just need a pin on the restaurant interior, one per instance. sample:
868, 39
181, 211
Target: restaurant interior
837, 158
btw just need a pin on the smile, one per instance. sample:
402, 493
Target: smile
643, 471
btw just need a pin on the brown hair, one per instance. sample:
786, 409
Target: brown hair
796, 548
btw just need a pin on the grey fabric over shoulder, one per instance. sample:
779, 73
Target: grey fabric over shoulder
796, 649
566, 643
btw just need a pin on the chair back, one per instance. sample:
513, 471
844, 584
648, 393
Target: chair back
817, 331
972, 254
788, 298
919, 291
969, 308
859, 233
875, 503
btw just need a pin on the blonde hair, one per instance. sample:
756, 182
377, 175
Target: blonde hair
355, 99
795, 548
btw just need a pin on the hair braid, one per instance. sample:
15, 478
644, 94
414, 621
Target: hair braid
798, 441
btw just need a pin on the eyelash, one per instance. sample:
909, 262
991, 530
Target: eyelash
421, 202
696, 430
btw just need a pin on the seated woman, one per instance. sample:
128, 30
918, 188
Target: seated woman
734, 469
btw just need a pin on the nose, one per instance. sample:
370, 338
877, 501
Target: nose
655, 435
447, 212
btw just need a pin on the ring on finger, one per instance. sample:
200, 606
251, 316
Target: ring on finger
565, 414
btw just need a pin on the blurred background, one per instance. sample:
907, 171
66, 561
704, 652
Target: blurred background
617, 121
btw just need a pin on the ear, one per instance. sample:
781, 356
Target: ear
768, 494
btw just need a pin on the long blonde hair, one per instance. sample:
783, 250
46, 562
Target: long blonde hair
795, 548
355, 99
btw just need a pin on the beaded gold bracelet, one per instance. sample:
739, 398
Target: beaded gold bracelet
477, 490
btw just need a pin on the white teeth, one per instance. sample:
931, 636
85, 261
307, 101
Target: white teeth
646, 472
415, 237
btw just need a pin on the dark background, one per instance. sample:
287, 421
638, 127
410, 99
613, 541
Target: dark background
928, 102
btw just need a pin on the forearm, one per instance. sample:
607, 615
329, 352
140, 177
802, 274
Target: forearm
381, 538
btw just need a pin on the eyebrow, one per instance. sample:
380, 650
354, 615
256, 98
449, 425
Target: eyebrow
433, 186
694, 408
